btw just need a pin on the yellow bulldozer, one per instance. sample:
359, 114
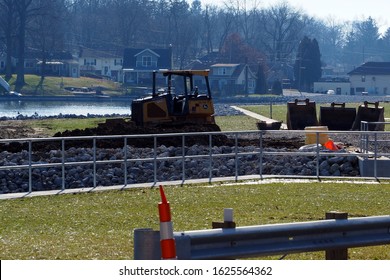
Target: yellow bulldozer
169, 107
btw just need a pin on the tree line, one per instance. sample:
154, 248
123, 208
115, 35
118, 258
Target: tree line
269, 36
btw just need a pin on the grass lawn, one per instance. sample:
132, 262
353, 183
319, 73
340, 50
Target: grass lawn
100, 225
55, 85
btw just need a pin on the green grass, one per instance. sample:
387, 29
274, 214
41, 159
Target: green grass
100, 225
55, 85
51, 126
236, 123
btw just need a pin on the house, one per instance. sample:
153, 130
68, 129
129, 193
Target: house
56, 64
138, 64
227, 79
371, 78
101, 63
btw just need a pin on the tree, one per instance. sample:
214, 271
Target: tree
362, 42
8, 25
261, 83
307, 67
235, 50
23, 9
279, 28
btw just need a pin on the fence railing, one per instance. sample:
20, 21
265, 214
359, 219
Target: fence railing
84, 162
334, 236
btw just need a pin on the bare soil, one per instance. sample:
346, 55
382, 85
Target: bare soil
17, 129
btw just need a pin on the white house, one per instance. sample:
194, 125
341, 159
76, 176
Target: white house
232, 78
371, 78
102, 63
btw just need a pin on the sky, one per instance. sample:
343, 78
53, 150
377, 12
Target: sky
340, 10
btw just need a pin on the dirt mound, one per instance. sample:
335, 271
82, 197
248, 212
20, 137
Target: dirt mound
126, 127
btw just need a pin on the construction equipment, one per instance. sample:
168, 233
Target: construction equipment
170, 107
300, 114
337, 116
370, 114
165, 112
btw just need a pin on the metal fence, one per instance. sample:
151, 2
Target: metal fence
334, 236
83, 162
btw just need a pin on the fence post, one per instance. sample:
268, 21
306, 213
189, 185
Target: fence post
29, 166
125, 163
63, 163
236, 157
337, 254
210, 157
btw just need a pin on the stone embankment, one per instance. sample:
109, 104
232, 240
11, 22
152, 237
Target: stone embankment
80, 174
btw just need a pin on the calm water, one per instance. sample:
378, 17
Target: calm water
52, 108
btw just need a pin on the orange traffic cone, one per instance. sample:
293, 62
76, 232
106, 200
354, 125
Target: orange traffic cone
330, 145
167, 241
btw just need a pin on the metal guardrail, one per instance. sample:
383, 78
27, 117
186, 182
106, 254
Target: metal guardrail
266, 240
28, 164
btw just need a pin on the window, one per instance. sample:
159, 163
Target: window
363, 79
2, 64
89, 62
222, 71
146, 61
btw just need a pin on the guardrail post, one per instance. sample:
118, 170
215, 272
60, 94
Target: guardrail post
146, 244
337, 254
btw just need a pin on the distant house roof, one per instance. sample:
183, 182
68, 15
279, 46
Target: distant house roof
91, 53
238, 68
164, 57
372, 68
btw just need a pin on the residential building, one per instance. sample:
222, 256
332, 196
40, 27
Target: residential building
372, 78
138, 64
56, 64
101, 63
228, 79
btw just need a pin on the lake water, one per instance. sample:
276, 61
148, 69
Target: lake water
12, 109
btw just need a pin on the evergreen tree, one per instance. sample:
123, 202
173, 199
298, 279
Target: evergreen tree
261, 84
307, 67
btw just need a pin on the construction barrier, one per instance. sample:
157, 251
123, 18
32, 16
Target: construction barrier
167, 241
334, 235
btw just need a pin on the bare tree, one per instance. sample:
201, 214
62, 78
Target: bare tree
8, 26
46, 31
280, 27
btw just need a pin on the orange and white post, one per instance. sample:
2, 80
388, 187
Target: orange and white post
167, 241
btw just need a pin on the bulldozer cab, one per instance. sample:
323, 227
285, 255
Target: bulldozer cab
179, 102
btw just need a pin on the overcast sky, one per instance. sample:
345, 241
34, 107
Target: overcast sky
343, 10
